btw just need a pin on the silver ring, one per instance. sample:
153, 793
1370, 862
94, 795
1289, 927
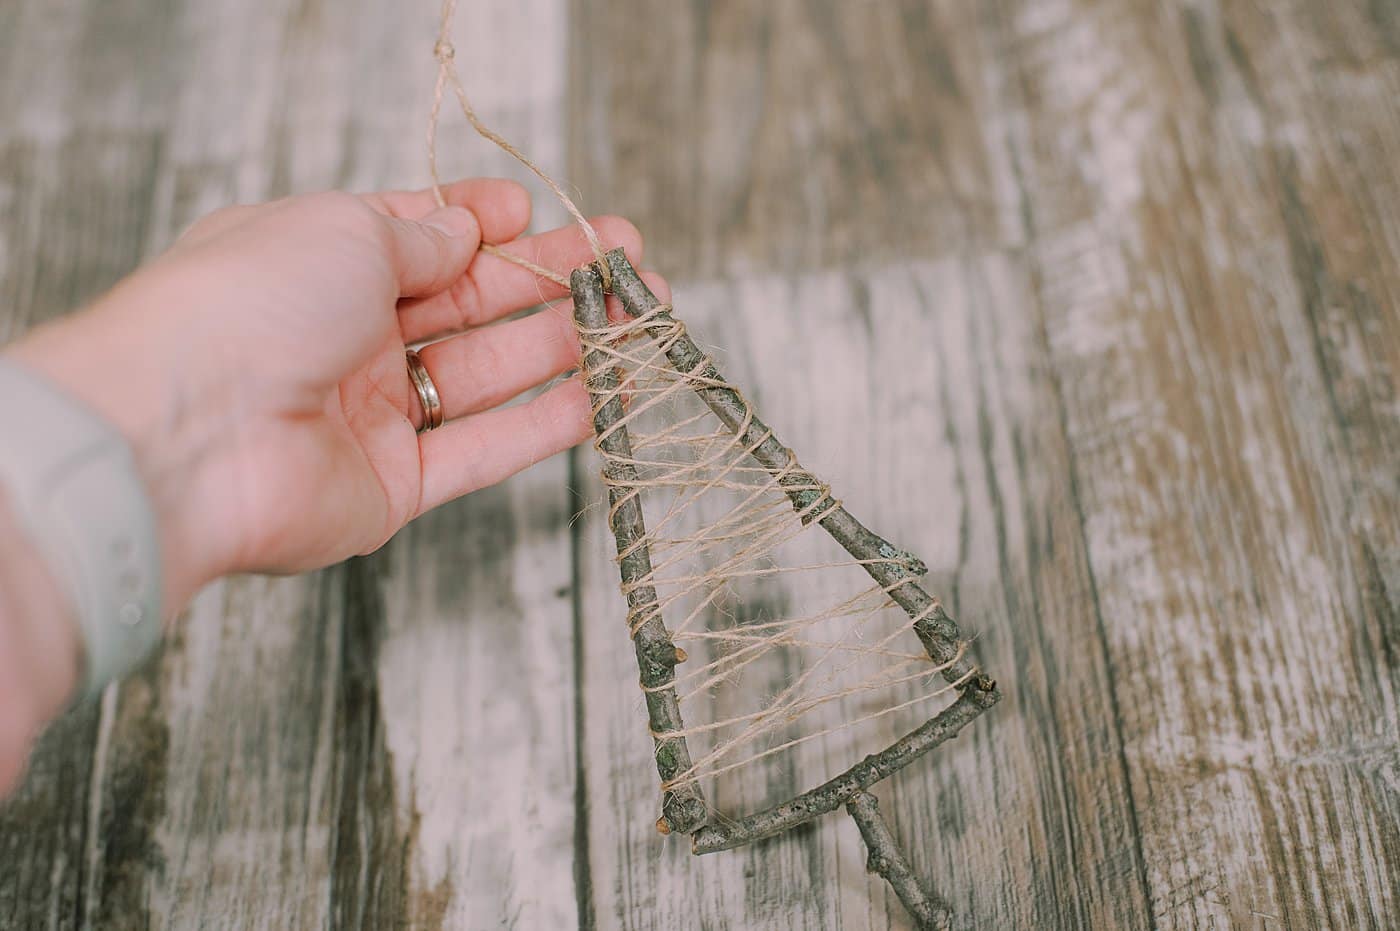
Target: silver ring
428, 395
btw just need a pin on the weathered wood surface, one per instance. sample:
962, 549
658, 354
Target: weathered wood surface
1103, 296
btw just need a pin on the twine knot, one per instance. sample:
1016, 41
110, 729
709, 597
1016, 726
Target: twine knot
444, 51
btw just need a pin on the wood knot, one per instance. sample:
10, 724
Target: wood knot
663, 655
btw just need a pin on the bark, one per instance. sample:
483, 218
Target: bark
936, 630
833, 793
682, 809
886, 859
892, 568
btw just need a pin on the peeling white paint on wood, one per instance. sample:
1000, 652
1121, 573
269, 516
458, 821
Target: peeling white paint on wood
1103, 296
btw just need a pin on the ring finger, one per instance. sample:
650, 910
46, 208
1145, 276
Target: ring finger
486, 367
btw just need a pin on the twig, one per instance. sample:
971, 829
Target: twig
683, 808
892, 568
936, 630
931, 912
835, 792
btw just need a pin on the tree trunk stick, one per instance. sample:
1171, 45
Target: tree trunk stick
832, 794
931, 912
936, 630
683, 809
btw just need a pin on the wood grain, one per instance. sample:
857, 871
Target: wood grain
990, 544
781, 136
1192, 307
1188, 537
306, 751
1104, 296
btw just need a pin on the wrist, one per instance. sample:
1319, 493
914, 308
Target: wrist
39, 652
128, 358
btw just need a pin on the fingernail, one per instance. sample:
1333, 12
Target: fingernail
454, 221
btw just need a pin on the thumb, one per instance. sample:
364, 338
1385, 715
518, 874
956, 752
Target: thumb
431, 253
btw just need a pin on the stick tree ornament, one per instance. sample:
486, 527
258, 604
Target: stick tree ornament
710, 513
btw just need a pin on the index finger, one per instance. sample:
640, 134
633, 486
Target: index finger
502, 206
494, 287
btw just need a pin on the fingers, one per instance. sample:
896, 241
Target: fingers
494, 287
483, 368
488, 366
430, 254
502, 206
478, 451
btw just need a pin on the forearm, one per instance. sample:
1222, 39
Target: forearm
39, 652
103, 498
136, 358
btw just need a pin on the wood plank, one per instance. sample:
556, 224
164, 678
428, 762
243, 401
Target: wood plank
474, 676
694, 123
930, 417
1203, 255
73, 209
362, 778
949, 442
1142, 263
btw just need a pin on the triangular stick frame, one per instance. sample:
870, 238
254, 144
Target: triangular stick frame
683, 808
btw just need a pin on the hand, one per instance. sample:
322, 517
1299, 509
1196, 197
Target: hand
258, 368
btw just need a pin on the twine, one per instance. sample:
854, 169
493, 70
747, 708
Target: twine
689, 460
686, 459
446, 55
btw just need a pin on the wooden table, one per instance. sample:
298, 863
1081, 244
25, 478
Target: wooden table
1107, 296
